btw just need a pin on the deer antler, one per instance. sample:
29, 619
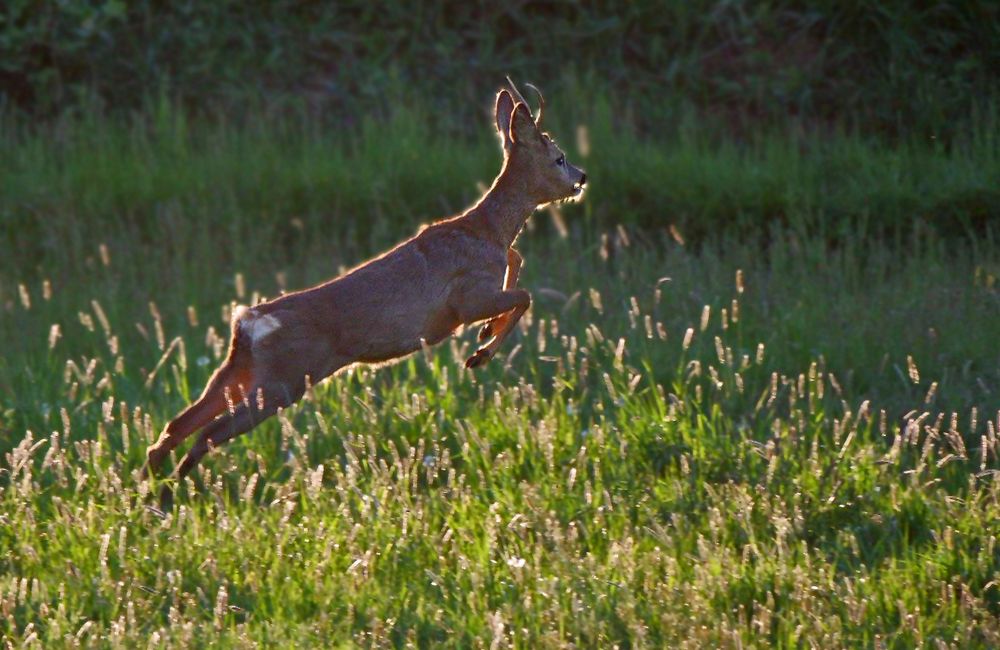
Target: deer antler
518, 97
541, 104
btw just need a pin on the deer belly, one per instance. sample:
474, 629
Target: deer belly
399, 331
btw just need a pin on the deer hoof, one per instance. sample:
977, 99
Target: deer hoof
481, 356
166, 498
155, 456
486, 332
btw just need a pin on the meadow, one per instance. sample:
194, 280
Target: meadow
756, 401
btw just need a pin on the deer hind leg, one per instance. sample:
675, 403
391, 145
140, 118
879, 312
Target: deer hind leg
262, 403
225, 388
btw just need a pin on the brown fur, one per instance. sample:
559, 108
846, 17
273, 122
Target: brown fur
454, 272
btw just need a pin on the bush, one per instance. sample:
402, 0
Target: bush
890, 66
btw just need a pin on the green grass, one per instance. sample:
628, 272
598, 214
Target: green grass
664, 456
65, 188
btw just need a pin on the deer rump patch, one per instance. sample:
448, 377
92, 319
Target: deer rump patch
254, 325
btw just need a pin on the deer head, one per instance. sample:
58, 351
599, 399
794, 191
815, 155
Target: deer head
532, 156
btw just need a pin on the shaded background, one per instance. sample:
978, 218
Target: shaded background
709, 117
884, 67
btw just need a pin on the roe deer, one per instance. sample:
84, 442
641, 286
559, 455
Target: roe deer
454, 272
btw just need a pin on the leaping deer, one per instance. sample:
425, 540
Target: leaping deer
454, 272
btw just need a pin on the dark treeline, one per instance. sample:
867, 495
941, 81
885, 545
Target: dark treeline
892, 68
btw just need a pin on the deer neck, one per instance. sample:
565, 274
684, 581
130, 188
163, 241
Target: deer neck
504, 209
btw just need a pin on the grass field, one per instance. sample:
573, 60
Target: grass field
774, 425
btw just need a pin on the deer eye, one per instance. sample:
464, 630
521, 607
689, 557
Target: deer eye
561, 160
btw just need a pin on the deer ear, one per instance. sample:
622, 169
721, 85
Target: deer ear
505, 106
522, 126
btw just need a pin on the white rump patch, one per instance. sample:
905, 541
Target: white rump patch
257, 326
265, 325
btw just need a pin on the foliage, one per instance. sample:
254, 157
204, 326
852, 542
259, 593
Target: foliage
892, 67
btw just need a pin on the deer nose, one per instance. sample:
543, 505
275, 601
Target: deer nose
583, 180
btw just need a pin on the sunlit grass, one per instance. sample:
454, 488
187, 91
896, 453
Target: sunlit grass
775, 441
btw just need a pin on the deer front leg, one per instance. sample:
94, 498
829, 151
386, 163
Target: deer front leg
514, 261
512, 304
